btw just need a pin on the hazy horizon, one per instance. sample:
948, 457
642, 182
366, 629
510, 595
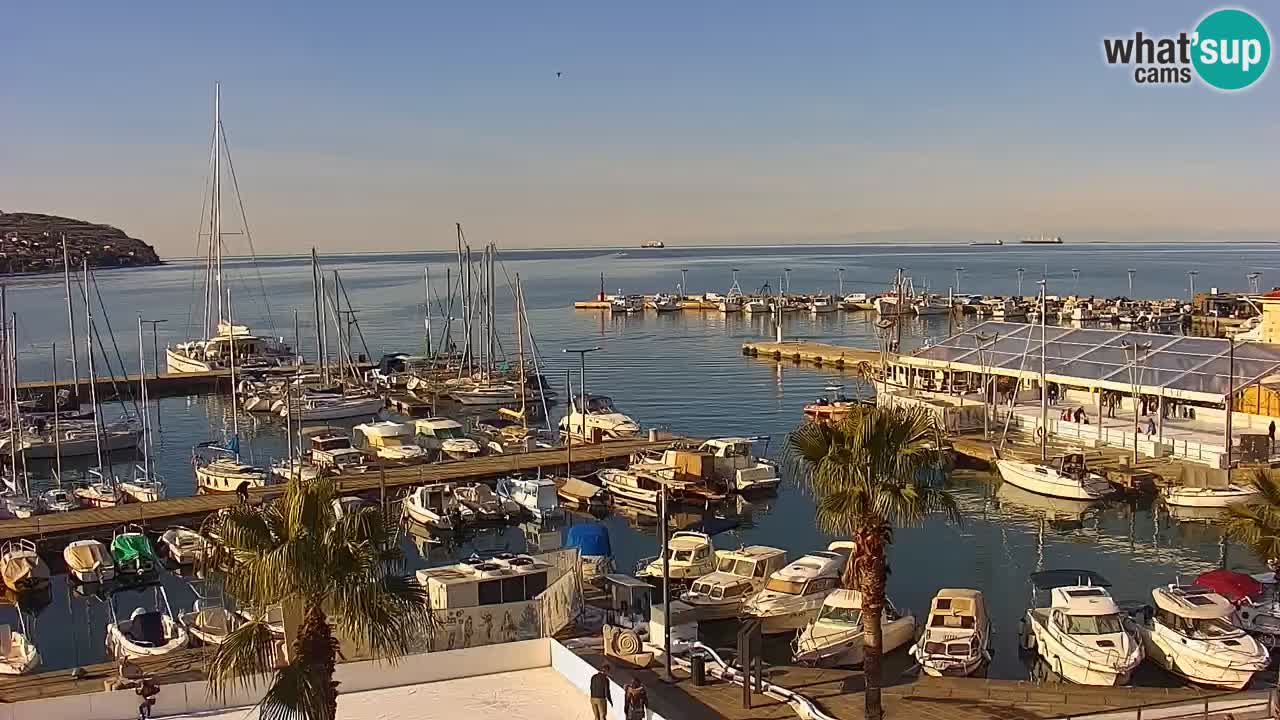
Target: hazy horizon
377, 129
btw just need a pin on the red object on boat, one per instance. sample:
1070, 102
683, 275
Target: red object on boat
1232, 585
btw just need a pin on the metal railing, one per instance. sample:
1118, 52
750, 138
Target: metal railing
1250, 705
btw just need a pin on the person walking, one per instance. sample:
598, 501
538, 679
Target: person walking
600, 700
1271, 436
1151, 428
635, 704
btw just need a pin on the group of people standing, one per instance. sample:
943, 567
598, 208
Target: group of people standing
635, 703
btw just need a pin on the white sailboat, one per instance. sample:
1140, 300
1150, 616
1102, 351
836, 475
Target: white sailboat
145, 485
222, 339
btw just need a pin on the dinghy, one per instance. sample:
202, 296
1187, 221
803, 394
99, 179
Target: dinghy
184, 545
134, 557
21, 566
147, 631
89, 561
18, 654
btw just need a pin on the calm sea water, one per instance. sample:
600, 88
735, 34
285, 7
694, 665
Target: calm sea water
683, 371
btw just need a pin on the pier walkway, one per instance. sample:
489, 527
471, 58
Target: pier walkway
814, 353
100, 522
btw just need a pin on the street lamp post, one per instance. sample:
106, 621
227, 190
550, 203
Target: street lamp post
582, 359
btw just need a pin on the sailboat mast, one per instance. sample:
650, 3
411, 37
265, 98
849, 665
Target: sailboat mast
215, 213
57, 421
235, 416
426, 294
1044, 387
146, 410
317, 287
518, 297
93, 375
71, 315
17, 412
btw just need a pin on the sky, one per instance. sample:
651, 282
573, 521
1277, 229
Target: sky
377, 126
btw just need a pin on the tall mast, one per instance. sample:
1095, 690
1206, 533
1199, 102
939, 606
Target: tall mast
1044, 388
215, 213
146, 410
93, 375
317, 289
426, 292
518, 297
235, 417
71, 315
17, 412
57, 422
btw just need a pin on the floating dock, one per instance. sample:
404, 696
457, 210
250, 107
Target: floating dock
54, 528
813, 353
160, 385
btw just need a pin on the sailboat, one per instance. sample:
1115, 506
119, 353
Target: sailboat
145, 485
222, 338
15, 497
217, 466
99, 491
1070, 477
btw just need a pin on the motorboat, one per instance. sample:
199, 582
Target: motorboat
1002, 310
739, 574
594, 550
535, 496
835, 637
730, 304
18, 653
1068, 476
733, 465
663, 302
216, 352
477, 502
331, 449
580, 494
59, 499
637, 486
135, 558
1257, 609
433, 506
446, 437
209, 623
793, 595
690, 555
1082, 634
627, 304
390, 440
1208, 497
89, 561
1189, 633
957, 634
183, 545
141, 486
930, 305
822, 304
312, 407
219, 469
685, 482
147, 631
600, 420
756, 306
22, 568
78, 439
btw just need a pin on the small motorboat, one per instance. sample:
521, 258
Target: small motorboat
793, 595
581, 494
1189, 633
822, 304
183, 545
59, 500
663, 302
390, 441
134, 557
835, 637
535, 496
739, 574
446, 437
690, 555
1208, 497
1082, 635
18, 653
147, 631
594, 550
89, 561
478, 503
21, 566
734, 465
434, 507
208, 621
600, 421
957, 635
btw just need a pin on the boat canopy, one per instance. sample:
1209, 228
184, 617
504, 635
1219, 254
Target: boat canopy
1233, 586
129, 547
952, 607
1192, 602
590, 539
385, 429
1050, 579
844, 598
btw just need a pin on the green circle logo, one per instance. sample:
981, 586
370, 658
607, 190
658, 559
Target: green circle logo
1232, 49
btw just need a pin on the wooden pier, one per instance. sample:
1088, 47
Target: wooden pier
160, 385
55, 528
813, 353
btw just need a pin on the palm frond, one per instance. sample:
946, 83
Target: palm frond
243, 658
297, 694
390, 615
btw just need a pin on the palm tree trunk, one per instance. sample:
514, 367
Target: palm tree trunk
318, 650
871, 582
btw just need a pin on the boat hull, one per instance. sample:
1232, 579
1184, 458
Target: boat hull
1025, 476
177, 363
1206, 498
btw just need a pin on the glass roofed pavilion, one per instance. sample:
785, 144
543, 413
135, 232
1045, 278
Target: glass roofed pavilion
1180, 384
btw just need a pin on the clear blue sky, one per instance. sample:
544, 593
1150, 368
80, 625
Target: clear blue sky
378, 125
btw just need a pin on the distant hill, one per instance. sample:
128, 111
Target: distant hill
32, 243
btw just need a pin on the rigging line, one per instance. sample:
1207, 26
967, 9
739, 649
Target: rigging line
342, 286
244, 220
1013, 399
100, 346
191, 305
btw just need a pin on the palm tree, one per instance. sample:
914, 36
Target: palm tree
345, 574
868, 473
1257, 523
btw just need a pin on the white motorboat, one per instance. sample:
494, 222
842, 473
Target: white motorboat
446, 437
184, 545
147, 631
22, 568
756, 306
662, 302
433, 506
835, 637
730, 304
690, 555
1082, 635
330, 407
793, 595
931, 305
739, 574
957, 635
218, 469
1189, 633
89, 561
477, 502
18, 653
632, 485
739, 470
330, 449
1206, 497
1067, 477
59, 499
390, 440
536, 496
822, 304
209, 623
600, 421
79, 440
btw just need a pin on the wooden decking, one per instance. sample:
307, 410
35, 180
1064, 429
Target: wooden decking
161, 385
190, 510
181, 666
815, 353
